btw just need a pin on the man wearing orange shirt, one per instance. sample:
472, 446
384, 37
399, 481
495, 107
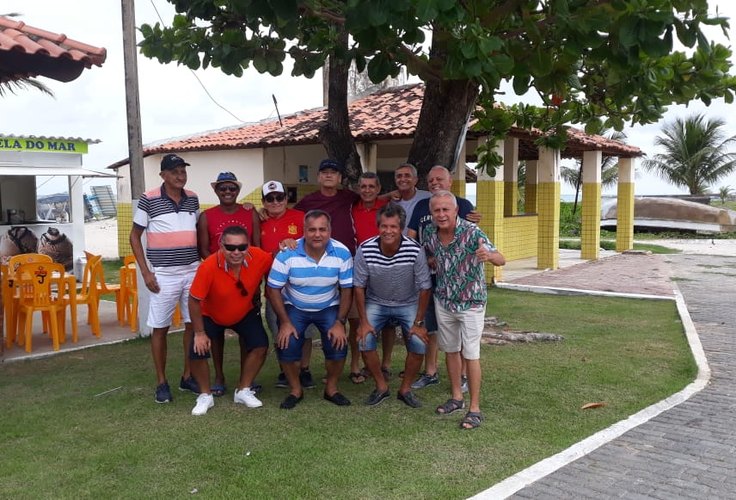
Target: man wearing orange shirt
221, 297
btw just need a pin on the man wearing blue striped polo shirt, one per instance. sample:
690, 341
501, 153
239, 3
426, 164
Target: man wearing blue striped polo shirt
312, 284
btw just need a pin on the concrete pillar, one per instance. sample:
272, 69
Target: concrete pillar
590, 237
76, 215
625, 205
490, 204
510, 176
458, 175
368, 153
530, 187
548, 208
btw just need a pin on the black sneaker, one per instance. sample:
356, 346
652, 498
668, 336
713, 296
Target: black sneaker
281, 381
305, 378
256, 387
410, 399
290, 402
424, 380
377, 397
337, 399
163, 393
189, 384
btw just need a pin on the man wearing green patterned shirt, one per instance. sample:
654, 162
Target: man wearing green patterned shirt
458, 250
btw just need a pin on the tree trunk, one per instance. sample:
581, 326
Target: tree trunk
335, 135
442, 125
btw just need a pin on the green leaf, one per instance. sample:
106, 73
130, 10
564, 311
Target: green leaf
426, 10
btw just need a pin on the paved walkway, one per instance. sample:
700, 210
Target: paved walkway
689, 450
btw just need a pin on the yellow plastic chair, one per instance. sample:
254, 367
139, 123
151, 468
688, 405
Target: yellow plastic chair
129, 291
103, 287
10, 293
35, 294
87, 294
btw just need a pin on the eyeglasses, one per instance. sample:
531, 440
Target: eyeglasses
232, 189
242, 288
271, 198
232, 248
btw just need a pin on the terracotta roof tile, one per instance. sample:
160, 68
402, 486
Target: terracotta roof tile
28, 51
387, 114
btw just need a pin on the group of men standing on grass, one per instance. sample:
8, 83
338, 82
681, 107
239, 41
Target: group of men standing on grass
407, 258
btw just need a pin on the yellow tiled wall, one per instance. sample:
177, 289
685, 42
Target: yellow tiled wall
590, 237
520, 237
458, 188
625, 218
490, 203
548, 242
125, 223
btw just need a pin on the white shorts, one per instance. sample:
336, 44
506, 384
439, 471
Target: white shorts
460, 331
174, 284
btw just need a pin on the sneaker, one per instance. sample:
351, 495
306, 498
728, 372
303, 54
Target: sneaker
163, 393
281, 381
464, 384
337, 399
204, 403
424, 380
305, 378
290, 402
377, 397
410, 399
247, 397
189, 384
256, 388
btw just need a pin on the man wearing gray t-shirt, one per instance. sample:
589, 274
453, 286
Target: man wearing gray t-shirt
391, 283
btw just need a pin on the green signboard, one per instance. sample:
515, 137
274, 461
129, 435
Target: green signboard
44, 145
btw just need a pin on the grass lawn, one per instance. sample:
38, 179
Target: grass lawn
64, 436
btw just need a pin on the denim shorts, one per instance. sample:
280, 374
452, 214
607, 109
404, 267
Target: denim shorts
379, 316
251, 333
323, 320
272, 321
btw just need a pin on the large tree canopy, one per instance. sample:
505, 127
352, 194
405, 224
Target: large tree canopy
591, 61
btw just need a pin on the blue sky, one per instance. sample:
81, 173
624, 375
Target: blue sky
173, 103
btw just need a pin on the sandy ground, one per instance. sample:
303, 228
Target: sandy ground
101, 238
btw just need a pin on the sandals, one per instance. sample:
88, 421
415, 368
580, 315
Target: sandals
218, 390
357, 377
450, 406
471, 420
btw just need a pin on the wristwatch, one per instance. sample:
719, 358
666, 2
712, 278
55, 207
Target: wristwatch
419, 323
343, 321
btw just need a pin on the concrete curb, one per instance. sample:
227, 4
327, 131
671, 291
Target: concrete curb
551, 290
521, 479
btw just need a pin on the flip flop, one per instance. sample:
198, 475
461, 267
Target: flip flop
357, 377
218, 390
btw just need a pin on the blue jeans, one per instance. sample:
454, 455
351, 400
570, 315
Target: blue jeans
379, 316
323, 320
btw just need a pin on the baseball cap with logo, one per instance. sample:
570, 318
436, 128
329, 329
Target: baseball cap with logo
171, 161
273, 187
226, 177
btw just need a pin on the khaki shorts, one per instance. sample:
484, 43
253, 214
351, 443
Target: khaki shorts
460, 331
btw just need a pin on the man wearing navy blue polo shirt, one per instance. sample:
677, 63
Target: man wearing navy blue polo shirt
312, 284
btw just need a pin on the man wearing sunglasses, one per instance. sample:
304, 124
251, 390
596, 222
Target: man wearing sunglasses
210, 226
312, 284
221, 297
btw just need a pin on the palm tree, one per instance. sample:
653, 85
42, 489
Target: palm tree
21, 84
609, 169
724, 193
695, 153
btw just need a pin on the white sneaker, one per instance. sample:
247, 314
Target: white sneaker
204, 403
247, 397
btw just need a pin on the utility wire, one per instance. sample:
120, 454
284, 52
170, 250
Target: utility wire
198, 80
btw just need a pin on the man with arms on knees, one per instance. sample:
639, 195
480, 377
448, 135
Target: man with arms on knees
391, 282
459, 248
312, 284
438, 179
221, 297
212, 222
168, 214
